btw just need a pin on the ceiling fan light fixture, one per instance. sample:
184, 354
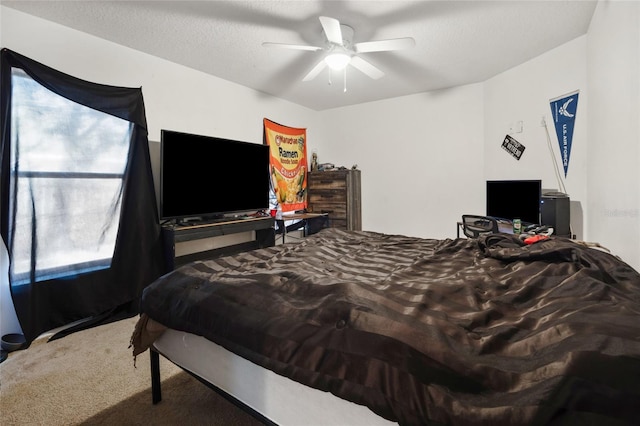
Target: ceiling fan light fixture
341, 51
337, 61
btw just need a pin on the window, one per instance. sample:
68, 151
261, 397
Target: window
67, 168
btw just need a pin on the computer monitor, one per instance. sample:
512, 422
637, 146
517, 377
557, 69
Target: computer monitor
514, 199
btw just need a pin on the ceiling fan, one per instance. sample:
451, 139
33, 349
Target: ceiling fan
341, 51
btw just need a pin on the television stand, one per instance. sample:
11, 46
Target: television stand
261, 227
194, 221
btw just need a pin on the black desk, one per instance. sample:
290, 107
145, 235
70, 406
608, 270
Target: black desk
172, 234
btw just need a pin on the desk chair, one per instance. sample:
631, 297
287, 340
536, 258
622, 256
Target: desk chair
475, 226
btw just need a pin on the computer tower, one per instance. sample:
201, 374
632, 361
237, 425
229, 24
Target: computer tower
555, 212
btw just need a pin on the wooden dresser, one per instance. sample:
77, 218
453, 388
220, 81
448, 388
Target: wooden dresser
337, 193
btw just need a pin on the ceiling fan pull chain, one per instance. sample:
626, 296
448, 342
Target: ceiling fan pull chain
345, 81
330, 74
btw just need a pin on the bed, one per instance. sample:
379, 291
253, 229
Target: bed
398, 329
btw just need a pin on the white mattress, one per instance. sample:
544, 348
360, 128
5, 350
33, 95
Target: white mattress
282, 400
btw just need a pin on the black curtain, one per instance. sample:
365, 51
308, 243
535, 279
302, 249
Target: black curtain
105, 295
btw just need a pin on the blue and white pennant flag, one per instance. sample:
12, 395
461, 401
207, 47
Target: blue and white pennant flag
564, 110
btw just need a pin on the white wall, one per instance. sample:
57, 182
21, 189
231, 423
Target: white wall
614, 129
523, 94
604, 171
421, 158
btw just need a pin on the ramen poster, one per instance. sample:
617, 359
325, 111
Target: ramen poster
288, 168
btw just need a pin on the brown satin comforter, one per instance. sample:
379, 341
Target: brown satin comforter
423, 331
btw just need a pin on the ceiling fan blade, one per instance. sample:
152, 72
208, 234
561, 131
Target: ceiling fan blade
331, 27
291, 46
385, 45
366, 67
315, 71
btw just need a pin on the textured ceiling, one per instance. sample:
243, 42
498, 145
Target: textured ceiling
457, 42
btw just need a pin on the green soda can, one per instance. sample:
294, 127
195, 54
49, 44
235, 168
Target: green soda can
517, 226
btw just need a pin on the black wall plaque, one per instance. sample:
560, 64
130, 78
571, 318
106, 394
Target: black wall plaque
513, 147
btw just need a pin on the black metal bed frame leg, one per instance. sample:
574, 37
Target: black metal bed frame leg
156, 391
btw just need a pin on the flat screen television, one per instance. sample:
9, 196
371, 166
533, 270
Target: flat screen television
514, 199
204, 177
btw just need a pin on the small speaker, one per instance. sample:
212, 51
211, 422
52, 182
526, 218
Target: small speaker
555, 212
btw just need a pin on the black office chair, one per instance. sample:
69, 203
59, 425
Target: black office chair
476, 226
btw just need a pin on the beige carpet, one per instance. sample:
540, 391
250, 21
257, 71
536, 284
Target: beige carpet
88, 378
